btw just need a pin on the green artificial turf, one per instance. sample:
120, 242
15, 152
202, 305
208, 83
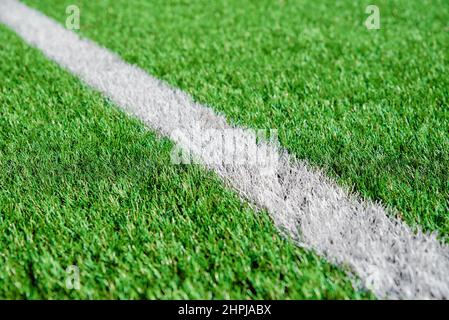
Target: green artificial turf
368, 106
83, 184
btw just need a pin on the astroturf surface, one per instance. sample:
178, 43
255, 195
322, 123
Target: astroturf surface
370, 107
83, 184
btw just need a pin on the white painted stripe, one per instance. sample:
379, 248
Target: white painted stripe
388, 257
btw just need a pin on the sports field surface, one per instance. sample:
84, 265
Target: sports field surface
83, 183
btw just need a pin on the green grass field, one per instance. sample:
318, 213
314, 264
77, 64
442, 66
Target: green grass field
370, 107
83, 184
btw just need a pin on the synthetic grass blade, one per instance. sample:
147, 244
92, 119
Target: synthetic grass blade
85, 188
390, 259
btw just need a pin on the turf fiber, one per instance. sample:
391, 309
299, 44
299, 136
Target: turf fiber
83, 184
368, 106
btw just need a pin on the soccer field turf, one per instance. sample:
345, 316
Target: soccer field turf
83, 184
369, 107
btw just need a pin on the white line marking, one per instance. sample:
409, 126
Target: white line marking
389, 258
